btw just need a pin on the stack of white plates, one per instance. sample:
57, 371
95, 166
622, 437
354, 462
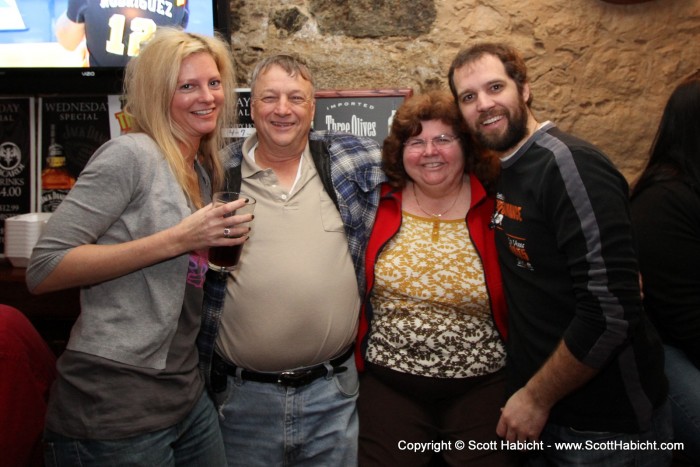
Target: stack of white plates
21, 234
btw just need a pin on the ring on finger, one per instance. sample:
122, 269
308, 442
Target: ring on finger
227, 232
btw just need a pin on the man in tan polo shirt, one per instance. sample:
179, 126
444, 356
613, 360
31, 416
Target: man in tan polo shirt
283, 361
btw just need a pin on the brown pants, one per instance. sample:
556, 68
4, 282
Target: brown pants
396, 409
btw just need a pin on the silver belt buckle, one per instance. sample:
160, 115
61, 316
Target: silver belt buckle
292, 378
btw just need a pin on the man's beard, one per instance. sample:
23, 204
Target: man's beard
515, 131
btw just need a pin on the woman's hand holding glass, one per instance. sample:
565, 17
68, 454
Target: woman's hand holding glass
215, 225
225, 258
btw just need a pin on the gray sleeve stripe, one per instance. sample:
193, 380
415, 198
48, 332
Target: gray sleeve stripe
598, 276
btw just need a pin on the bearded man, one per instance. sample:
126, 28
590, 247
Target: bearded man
584, 363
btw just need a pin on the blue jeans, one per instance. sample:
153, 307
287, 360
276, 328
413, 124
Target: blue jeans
660, 432
265, 424
193, 442
684, 396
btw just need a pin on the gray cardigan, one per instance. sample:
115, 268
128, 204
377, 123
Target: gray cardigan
126, 191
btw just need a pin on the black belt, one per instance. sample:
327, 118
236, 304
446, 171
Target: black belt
293, 378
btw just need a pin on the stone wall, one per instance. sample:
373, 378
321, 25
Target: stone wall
599, 70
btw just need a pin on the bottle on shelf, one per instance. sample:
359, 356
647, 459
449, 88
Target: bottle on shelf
56, 180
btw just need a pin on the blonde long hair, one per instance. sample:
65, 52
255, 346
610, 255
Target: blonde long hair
150, 81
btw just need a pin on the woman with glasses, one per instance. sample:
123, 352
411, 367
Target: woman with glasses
433, 321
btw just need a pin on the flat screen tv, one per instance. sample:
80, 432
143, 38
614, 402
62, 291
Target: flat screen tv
34, 62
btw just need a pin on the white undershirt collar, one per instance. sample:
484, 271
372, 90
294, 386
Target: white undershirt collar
251, 157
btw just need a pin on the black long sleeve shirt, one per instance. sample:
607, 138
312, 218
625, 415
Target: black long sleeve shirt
570, 272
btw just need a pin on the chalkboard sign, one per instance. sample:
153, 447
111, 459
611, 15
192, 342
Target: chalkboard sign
362, 112
16, 156
244, 122
71, 128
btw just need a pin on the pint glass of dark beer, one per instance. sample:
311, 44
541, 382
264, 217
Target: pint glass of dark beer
225, 258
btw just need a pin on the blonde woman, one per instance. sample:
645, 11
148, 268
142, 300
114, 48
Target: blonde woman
133, 234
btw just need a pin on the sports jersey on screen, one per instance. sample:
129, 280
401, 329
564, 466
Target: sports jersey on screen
116, 29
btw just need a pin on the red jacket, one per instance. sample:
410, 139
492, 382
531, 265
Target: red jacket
388, 223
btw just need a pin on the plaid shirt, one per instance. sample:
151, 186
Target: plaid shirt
354, 164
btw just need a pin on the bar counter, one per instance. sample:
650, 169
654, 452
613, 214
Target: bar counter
52, 314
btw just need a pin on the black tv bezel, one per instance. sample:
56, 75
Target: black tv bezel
42, 81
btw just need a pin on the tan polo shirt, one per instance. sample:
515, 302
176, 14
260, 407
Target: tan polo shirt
293, 301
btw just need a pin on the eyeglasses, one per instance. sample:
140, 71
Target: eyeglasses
417, 145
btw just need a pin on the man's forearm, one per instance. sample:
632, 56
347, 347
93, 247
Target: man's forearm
561, 374
526, 412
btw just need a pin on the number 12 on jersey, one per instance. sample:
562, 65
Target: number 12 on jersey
142, 29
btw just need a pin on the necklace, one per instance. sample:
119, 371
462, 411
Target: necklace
440, 214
